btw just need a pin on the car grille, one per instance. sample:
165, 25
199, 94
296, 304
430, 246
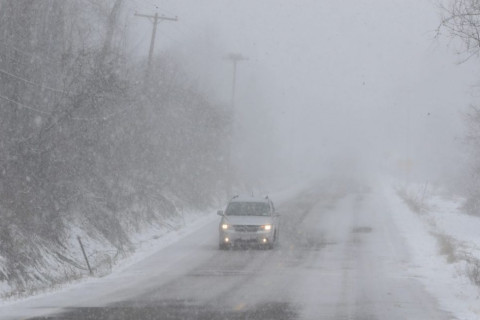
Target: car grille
243, 228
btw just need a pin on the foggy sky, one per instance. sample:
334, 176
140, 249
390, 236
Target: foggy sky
357, 86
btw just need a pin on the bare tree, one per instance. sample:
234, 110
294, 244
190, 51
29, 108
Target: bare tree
80, 137
461, 20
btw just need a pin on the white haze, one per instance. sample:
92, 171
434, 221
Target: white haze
355, 86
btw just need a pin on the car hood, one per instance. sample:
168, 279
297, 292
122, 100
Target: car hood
247, 220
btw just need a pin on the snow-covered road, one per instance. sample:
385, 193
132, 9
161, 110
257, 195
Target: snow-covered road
340, 256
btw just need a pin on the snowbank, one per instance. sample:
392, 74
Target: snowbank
444, 243
62, 265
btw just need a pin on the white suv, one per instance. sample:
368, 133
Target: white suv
249, 220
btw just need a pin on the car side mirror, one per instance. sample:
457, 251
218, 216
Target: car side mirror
220, 213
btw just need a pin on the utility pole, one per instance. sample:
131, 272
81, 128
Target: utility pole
155, 19
235, 58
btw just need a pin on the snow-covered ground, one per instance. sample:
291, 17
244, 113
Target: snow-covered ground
147, 242
444, 243
355, 230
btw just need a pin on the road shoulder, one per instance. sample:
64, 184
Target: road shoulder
441, 240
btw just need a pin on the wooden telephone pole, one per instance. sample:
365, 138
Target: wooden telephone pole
155, 19
235, 58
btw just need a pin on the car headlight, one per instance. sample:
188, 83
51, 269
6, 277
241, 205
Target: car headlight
267, 227
225, 226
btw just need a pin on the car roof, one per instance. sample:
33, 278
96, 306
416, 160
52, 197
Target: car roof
246, 198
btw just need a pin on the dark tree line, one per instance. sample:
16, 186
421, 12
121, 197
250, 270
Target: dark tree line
82, 132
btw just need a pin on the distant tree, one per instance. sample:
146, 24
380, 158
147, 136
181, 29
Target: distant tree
461, 20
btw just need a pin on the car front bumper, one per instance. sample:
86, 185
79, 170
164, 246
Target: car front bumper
231, 237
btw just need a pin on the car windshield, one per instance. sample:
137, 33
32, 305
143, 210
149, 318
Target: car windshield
248, 209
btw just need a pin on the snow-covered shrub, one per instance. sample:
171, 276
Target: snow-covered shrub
413, 200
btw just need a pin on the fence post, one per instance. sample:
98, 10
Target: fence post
84, 255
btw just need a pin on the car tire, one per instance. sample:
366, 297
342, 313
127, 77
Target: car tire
222, 246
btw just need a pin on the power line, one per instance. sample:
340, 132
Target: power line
35, 109
31, 82
106, 117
